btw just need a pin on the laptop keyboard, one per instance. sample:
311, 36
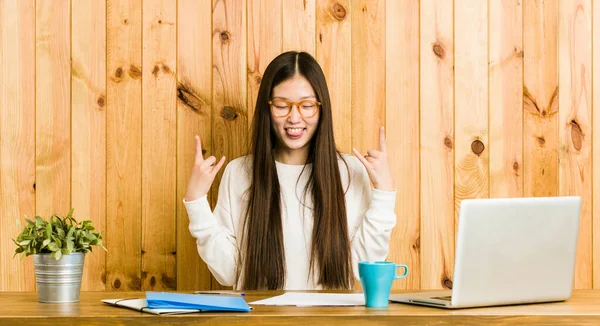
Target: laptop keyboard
446, 298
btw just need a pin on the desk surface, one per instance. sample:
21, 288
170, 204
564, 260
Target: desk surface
23, 308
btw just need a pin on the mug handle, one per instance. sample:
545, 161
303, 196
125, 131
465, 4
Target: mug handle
405, 271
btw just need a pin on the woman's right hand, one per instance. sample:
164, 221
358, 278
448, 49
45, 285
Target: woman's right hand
203, 174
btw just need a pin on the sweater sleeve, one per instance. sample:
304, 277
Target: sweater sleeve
215, 233
376, 219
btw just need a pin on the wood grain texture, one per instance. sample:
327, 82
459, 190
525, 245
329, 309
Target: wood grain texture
124, 144
22, 308
194, 72
402, 112
575, 122
298, 25
53, 107
471, 101
17, 141
368, 73
159, 145
334, 49
436, 241
230, 118
264, 44
540, 98
88, 114
506, 98
52, 121
596, 152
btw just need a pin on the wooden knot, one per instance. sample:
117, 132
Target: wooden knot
576, 135
34, 186
225, 37
338, 10
119, 72
417, 245
438, 50
166, 69
125, 21
160, 21
544, 113
135, 72
155, 71
516, 166
168, 282
203, 152
152, 281
518, 53
477, 147
447, 284
541, 141
117, 284
228, 113
101, 101
448, 143
188, 97
258, 79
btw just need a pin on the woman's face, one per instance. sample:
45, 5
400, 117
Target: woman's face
295, 130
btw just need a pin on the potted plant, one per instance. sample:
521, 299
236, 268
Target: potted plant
58, 246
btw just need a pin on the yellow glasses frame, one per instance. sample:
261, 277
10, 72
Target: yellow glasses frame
297, 104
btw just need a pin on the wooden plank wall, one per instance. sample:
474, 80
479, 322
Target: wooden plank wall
100, 100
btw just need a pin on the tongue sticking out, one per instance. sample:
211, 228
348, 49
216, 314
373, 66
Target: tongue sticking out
294, 132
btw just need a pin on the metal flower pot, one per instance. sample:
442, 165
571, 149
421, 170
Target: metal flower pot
58, 281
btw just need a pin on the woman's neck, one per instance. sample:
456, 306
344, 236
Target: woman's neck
291, 157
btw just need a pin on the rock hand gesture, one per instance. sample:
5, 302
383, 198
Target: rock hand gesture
203, 174
378, 167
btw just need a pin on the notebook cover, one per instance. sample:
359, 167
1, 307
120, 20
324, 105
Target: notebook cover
171, 300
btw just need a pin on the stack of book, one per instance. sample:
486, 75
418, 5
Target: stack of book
160, 303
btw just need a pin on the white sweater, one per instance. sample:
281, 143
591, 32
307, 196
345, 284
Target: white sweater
370, 213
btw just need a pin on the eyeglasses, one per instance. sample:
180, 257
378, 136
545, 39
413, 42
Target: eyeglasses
282, 108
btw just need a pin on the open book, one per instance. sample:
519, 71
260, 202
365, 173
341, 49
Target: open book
142, 306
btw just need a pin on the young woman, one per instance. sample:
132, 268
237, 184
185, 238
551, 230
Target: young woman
295, 213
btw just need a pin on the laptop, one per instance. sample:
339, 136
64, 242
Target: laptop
510, 251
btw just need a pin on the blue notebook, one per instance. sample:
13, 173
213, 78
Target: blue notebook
170, 300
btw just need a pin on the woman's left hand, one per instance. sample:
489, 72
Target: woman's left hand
377, 165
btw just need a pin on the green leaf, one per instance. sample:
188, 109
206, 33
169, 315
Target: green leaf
56, 255
45, 243
48, 230
24, 242
52, 246
70, 245
39, 222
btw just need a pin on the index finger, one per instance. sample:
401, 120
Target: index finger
382, 145
199, 156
